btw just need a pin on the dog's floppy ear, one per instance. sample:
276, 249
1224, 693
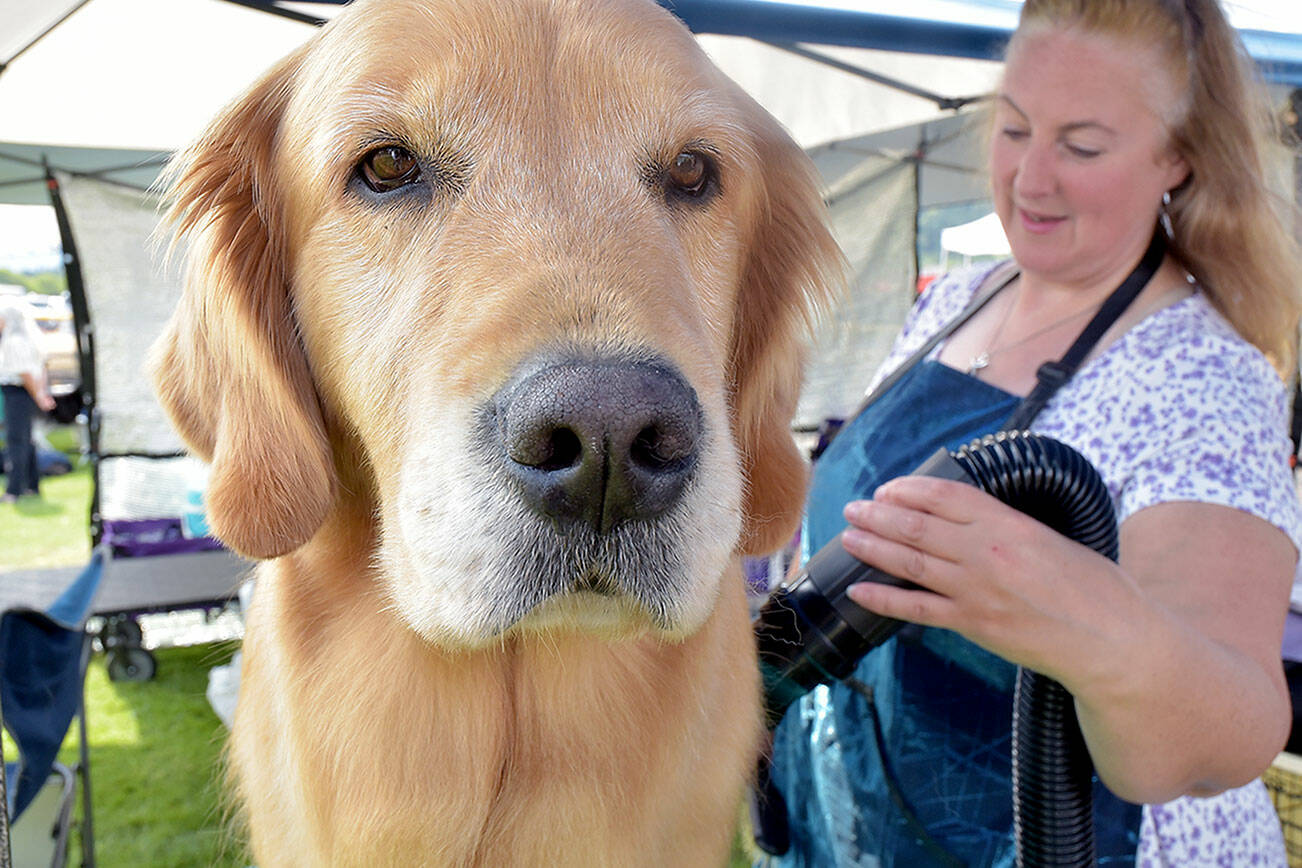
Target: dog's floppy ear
794, 266
230, 368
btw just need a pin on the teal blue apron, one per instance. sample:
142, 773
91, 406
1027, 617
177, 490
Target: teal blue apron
939, 706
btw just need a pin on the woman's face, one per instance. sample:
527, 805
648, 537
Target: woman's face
1080, 156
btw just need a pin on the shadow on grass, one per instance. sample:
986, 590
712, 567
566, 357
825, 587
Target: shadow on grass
50, 531
38, 507
155, 766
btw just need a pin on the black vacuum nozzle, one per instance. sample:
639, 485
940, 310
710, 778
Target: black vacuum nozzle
809, 632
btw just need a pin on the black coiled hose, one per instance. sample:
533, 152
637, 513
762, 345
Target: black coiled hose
808, 632
1052, 772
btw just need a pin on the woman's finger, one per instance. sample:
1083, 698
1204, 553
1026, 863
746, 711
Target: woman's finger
915, 528
944, 498
905, 604
901, 559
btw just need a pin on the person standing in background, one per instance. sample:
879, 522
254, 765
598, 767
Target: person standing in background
22, 382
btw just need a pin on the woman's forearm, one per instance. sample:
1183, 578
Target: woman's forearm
36, 388
32, 385
1184, 715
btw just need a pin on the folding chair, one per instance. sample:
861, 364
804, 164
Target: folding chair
43, 659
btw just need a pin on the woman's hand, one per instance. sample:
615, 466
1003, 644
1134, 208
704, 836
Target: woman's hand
1002, 579
1172, 655
36, 387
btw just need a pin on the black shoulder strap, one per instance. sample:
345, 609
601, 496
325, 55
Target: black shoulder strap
1051, 376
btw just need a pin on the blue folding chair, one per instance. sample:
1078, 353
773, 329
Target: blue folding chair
43, 659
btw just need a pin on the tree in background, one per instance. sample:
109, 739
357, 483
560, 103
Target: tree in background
51, 282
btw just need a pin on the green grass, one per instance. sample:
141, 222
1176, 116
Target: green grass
155, 747
155, 751
53, 530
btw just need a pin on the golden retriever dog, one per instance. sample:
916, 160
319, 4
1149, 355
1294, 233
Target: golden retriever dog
491, 333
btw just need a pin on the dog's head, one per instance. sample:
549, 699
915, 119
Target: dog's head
526, 279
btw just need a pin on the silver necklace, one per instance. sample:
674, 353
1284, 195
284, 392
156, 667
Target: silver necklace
982, 359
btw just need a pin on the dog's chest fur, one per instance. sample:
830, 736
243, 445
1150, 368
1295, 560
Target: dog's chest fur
542, 751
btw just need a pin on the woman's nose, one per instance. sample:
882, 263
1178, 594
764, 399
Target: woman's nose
1035, 172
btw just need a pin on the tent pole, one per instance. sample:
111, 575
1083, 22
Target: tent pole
916, 162
272, 9
945, 103
5, 860
87, 823
85, 343
4, 64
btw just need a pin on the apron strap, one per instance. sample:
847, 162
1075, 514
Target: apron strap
1050, 376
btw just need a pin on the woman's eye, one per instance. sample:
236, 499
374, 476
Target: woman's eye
1014, 133
1082, 152
388, 168
691, 174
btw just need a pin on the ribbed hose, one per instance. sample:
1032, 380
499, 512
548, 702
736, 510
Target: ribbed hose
1052, 772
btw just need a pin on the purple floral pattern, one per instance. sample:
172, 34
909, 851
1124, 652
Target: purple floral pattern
1236, 829
1180, 408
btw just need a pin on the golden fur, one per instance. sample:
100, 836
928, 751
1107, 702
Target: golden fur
329, 355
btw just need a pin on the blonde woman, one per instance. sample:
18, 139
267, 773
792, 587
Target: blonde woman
1124, 143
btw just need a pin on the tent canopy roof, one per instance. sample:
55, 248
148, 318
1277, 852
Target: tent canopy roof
102, 84
1279, 53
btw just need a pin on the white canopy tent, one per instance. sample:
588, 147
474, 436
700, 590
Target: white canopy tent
983, 236
116, 83
874, 89
146, 74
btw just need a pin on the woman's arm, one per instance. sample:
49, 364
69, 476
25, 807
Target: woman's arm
36, 388
1172, 655
1217, 582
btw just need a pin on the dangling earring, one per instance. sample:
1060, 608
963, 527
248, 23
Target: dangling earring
1164, 216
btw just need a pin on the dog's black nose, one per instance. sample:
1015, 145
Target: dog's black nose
601, 441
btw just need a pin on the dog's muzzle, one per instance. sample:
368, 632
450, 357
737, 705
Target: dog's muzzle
599, 442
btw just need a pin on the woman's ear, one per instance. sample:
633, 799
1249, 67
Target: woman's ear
793, 267
230, 368
1175, 169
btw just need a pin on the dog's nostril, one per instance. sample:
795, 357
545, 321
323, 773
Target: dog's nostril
601, 441
564, 449
654, 450
643, 449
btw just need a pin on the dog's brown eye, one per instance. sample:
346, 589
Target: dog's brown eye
389, 168
690, 174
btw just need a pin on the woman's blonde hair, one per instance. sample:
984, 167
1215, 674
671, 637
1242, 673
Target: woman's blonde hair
1231, 232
